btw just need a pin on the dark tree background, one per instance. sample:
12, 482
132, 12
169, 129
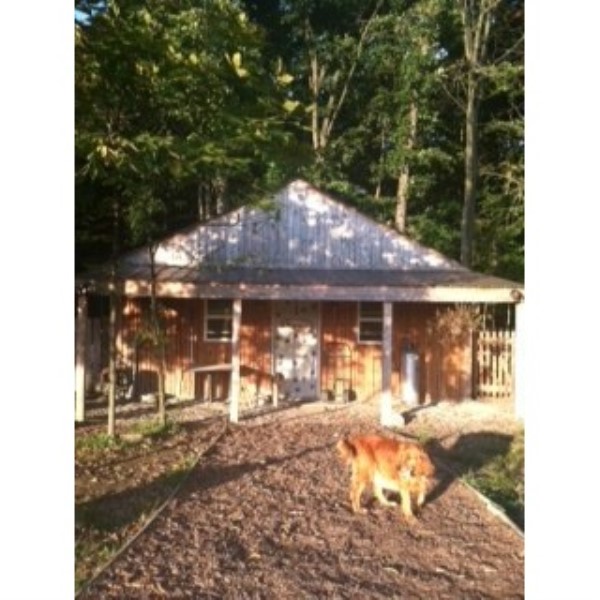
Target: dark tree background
411, 111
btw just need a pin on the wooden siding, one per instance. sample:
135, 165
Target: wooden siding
255, 351
444, 371
343, 359
444, 368
185, 348
96, 352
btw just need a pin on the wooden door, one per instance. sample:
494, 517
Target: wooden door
296, 348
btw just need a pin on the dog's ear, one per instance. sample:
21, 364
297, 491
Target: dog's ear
403, 456
423, 464
428, 467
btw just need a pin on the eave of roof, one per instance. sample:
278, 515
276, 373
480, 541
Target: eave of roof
460, 285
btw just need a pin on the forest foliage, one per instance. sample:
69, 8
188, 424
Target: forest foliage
188, 108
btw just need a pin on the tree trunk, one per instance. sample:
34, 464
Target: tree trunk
203, 202
477, 20
377, 192
404, 177
322, 122
471, 171
314, 85
211, 196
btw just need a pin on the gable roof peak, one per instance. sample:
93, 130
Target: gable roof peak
307, 230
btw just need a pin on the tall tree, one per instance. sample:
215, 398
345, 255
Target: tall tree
168, 93
477, 17
486, 83
322, 43
402, 59
498, 247
413, 111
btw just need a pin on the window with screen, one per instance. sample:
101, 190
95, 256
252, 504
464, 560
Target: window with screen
370, 322
218, 320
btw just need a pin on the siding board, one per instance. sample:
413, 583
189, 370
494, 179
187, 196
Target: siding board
444, 371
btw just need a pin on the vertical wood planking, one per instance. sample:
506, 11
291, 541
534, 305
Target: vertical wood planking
438, 370
494, 369
255, 351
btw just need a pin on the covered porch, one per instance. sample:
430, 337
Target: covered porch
257, 344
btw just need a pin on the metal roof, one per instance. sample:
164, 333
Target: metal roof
310, 247
308, 277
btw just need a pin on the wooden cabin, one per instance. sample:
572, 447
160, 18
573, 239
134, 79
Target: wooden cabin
301, 299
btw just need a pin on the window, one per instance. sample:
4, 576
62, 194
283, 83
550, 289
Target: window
370, 322
218, 318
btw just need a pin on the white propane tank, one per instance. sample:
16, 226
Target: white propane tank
410, 392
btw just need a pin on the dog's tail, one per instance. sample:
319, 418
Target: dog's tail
346, 449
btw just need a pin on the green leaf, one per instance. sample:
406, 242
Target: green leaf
291, 105
285, 79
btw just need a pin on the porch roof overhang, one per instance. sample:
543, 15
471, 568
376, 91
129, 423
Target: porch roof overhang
382, 285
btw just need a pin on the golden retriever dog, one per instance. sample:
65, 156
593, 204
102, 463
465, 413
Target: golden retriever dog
398, 466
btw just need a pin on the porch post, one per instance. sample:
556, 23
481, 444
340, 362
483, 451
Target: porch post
80, 356
518, 361
387, 417
234, 385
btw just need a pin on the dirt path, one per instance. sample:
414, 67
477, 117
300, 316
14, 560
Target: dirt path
266, 515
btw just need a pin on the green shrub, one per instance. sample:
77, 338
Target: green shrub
154, 429
503, 480
97, 443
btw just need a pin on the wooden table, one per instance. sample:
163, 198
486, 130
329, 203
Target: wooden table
209, 371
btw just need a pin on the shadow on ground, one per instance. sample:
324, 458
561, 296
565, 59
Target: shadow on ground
470, 454
111, 511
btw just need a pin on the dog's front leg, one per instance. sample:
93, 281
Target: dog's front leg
406, 504
356, 490
422, 490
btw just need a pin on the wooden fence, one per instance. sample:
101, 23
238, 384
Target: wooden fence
493, 369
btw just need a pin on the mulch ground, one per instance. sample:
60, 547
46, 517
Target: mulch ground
266, 514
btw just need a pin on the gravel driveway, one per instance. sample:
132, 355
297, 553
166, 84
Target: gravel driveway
265, 514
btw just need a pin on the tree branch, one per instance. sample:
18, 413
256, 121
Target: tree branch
359, 49
509, 51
